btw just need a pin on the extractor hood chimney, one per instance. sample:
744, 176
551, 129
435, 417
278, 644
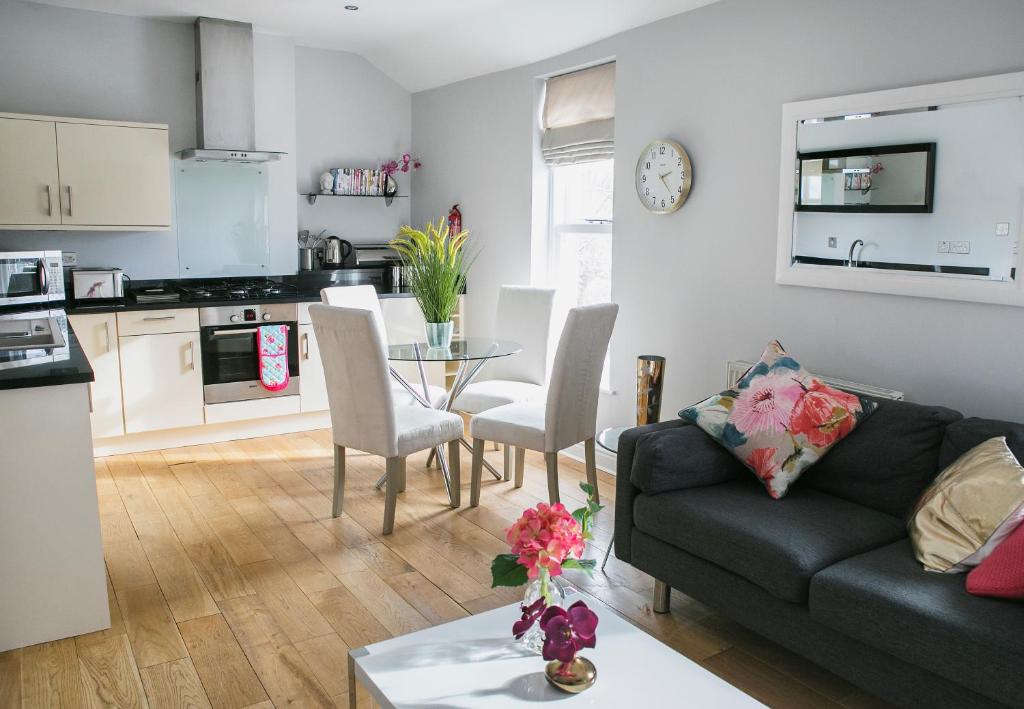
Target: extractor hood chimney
225, 103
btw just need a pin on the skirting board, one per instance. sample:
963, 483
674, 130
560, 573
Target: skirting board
210, 433
605, 460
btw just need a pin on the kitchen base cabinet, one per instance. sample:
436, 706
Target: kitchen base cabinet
312, 386
98, 336
53, 582
162, 381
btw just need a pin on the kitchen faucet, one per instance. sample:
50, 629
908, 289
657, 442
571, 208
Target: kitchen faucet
850, 263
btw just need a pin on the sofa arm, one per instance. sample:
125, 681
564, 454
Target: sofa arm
625, 491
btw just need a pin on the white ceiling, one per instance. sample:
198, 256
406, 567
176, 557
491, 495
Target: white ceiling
422, 43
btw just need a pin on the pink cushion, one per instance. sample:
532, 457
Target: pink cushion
1001, 574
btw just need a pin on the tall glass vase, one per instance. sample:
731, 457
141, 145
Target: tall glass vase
553, 592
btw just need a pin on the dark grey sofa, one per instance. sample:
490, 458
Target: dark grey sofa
827, 571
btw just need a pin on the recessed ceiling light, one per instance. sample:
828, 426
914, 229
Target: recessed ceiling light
351, 7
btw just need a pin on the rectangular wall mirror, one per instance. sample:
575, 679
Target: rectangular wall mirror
887, 178
915, 191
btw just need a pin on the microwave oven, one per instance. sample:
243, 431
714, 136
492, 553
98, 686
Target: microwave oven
30, 277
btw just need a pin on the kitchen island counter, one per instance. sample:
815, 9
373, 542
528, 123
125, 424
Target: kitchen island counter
73, 370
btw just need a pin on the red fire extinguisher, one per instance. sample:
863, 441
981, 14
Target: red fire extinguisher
455, 220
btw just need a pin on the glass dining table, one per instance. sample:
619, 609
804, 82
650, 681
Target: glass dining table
471, 353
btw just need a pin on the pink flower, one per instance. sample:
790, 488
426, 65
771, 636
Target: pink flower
762, 460
825, 415
765, 405
543, 537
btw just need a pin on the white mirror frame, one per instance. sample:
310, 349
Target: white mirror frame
892, 282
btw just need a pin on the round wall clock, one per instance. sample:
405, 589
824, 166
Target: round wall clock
663, 176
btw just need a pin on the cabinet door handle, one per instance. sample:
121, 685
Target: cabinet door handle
89, 387
106, 332
153, 318
305, 345
49, 202
191, 356
71, 211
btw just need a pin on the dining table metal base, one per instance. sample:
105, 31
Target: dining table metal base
463, 377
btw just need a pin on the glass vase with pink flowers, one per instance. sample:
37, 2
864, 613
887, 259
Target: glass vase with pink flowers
545, 541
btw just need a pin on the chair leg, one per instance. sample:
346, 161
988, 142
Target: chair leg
520, 465
455, 471
662, 594
551, 459
495, 444
401, 475
591, 456
430, 457
339, 480
393, 467
508, 462
476, 472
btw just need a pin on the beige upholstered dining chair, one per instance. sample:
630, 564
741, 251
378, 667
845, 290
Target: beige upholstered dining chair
363, 412
365, 298
567, 415
523, 316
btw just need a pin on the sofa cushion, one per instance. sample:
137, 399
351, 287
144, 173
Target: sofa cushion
967, 433
885, 600
779, 419
891, 459
680, 458
777, 544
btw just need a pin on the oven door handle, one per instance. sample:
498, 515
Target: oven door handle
243, 331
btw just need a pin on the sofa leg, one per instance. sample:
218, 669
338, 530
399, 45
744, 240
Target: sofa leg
662, 591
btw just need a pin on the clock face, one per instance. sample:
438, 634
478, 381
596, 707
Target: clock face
663, 176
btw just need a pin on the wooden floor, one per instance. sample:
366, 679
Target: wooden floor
231, 585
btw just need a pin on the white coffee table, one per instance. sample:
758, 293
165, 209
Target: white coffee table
474, 662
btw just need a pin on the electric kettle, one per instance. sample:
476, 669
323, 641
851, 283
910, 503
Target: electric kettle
335, 252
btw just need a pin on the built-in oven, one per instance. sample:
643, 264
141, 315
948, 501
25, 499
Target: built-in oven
231, 358
30, 277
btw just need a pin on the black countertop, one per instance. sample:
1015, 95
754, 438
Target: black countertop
308, 285
74, 370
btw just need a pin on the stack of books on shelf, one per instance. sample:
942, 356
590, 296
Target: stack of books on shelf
363, 182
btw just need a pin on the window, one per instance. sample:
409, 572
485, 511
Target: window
580, 259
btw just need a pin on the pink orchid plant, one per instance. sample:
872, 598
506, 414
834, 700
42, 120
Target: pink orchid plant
567, 631
406, 163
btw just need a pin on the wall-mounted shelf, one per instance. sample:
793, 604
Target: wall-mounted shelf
312, 197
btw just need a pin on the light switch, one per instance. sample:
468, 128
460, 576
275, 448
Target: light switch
832, 242
1003, 229
943, 247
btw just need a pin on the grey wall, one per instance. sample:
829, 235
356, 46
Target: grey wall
348, 114
698, 285
62, 62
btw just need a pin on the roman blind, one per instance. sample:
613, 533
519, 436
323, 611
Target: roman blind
579, 116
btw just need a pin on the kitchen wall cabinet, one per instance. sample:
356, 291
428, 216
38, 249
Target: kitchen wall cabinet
98, 336
28, 173
312, 385
77, 174
162, 381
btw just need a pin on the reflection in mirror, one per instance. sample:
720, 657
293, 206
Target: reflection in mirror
892, 178
945, 197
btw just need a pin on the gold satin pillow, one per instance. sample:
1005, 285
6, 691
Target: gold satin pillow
972, 506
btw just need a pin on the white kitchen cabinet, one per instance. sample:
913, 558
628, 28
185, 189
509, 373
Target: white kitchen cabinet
312, 385
83, 174
28, 173
162, 381
114, 175
98, 337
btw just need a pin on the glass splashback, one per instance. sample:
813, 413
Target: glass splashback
222, 213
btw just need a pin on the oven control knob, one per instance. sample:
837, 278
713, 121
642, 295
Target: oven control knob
266, 316
235, 318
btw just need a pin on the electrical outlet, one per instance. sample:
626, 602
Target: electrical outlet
959, 247
833, 242
69, 258
1003, 229
943, 247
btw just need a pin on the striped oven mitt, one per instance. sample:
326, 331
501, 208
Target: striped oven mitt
272, 341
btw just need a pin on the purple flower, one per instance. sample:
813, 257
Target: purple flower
530, 615
567, 631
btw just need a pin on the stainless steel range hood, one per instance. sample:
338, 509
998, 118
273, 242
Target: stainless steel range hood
225, 101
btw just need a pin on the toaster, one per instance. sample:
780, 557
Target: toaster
98, 283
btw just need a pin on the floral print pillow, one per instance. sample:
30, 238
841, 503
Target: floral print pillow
780, 419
